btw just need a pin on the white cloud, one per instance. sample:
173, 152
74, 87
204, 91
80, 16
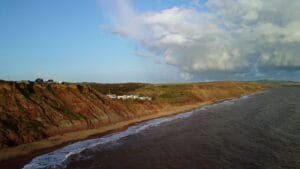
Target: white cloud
186, 76
231, 37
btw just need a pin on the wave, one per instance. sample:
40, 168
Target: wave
58, 158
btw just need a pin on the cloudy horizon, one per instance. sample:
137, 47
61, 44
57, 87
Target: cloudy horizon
158, 41
215, 39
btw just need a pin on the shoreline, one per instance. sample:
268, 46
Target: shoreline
17, 157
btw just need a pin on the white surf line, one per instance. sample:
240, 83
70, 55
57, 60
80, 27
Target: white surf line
58, 158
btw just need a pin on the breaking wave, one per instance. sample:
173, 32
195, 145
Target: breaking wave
58, 158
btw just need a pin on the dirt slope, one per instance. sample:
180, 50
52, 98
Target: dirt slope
31, 112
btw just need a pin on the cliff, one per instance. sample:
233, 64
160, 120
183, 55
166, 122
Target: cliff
32, 112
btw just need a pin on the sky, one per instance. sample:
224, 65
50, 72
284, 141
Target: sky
157, 41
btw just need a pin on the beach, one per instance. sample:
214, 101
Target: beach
39, 118
256, 132
18, 156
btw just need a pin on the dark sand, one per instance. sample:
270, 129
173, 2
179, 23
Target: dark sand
261, 132
16, 157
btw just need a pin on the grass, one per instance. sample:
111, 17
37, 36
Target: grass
72, 115
39, 101
118, 89
12, 127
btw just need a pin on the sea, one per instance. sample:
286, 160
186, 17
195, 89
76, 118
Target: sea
259, 131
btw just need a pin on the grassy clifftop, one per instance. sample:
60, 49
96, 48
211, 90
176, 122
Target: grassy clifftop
31, 112
195, 92
181, 93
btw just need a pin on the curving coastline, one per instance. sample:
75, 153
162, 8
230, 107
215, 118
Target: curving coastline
24, 152
59, 157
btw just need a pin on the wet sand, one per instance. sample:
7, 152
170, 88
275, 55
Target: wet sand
261, 132
17, 157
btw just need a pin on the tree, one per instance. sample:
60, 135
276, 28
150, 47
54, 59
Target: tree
50, 81
39, 80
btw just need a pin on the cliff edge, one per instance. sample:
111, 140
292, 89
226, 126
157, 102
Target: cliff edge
32, 112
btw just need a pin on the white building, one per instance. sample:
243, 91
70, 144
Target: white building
112, 96
127, 97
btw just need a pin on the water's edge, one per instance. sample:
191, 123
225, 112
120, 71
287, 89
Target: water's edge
58, 158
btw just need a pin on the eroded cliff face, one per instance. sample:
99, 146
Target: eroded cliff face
31, 112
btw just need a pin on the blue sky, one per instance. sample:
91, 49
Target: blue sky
62, 40
78, 40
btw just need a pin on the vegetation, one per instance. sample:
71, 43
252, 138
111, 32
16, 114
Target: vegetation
119, 89
15, 130
32, 111
72, 115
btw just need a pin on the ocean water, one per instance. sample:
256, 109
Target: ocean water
256, 131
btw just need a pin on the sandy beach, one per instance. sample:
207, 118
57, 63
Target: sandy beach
68, 117
16, 157
255, 132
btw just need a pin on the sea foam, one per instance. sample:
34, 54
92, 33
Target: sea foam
58, 158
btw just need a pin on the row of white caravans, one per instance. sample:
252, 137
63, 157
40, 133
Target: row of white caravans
126, 97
